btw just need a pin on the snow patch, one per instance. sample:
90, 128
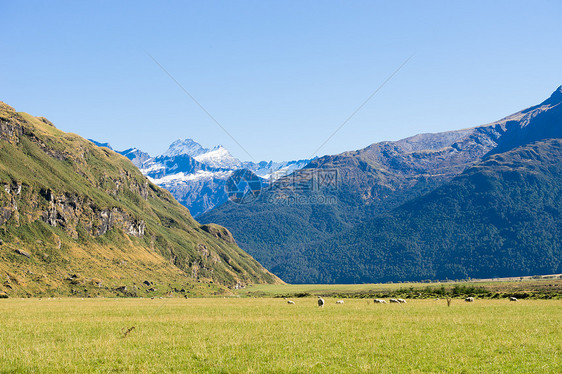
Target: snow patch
220, 158
200, 175
185, 147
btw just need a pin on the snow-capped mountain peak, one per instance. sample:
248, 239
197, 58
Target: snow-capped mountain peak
219, 157
197, 176
185, 147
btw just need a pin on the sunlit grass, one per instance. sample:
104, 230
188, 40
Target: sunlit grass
543, 287
268, 335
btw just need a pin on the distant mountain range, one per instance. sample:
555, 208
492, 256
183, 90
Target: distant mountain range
196, 176
76, 219
478, 202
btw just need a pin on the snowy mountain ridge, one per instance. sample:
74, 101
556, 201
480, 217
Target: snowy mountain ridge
185, 147
197, 176
220, 158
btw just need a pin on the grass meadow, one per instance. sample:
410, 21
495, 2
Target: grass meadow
545, 287
240, 335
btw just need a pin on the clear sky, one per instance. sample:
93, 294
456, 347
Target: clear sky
279, 76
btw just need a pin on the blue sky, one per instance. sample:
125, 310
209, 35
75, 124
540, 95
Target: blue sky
280, 77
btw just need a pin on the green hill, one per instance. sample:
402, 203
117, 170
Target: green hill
79, 219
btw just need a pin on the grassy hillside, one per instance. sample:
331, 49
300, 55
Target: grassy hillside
76, 218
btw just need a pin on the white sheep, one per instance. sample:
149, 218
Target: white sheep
339, 302
469, 299
289, 301
379, 301
394, 301
320, 302
512, 298
402, 301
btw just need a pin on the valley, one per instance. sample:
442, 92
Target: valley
281, 187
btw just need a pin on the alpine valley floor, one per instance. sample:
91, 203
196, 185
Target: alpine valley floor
240, 335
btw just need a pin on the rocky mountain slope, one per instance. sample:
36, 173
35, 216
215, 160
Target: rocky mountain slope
79, 219
136, 156
289, 231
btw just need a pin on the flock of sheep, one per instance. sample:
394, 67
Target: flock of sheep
321, 301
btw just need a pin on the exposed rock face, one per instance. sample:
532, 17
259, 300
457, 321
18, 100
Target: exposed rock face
9, 130
9, 204
23, 253
68, 210
104, 220
65, 210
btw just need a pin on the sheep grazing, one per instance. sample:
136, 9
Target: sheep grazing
289, 301
394, 301
402, 301
512, 298
320, 302
339, 302
469, 299
379, 301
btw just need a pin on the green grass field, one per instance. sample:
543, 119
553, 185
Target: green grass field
539, 287
239, 335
